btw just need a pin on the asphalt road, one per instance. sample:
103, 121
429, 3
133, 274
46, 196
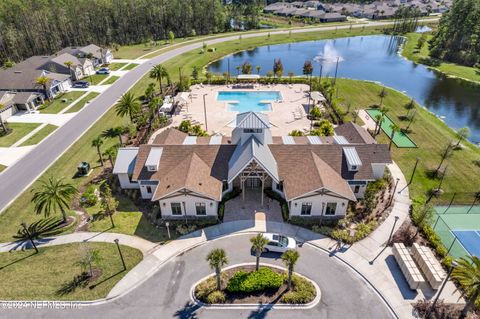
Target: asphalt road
24, 172
166, 294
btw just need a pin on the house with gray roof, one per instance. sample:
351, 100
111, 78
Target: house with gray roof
94, 53
317, 176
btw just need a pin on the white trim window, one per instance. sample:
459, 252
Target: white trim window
306, 209
176, 208
201, 209
330, 209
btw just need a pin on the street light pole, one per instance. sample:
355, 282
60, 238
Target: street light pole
120, 253
205, 111
393, 193
29, 237
430, 310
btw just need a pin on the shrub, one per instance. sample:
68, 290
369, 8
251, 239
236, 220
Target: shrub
216, 297
185, 229
313, 221
205, 288
228, 196
324, 230
303, 291
89, 197
270, 193
249, 282
362, 231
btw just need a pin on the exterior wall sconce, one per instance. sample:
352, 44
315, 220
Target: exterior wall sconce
163, 204
211, 204
295, 204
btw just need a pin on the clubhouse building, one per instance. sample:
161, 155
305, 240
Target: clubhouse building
317, 176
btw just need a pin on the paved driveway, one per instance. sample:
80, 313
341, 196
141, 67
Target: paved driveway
166, 294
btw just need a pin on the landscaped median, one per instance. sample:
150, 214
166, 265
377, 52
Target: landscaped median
244, 286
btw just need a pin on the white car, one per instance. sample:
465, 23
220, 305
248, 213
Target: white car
279, 243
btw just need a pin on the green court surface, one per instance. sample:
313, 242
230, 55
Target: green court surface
455, 218
400, 139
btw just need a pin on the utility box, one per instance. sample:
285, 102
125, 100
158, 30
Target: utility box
83, 169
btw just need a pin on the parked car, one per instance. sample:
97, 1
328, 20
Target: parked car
81, 84
103, 71
279, 243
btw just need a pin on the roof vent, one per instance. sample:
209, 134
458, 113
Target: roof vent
17, 72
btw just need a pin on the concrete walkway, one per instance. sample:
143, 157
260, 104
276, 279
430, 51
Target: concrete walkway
143, 245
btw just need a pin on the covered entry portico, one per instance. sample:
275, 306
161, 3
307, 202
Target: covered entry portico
254, 177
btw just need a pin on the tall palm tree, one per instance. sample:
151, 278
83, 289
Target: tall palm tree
43, 81
217, 258
118, 131
394, 129
258, 244
378, 119
128, 105
290, 258
2, 123
97, 142
382, 95
157, 73
111, 153
258, 68
69, 65
53, 194
468, 275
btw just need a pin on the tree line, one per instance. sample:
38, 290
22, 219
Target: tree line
458, 36
42, 27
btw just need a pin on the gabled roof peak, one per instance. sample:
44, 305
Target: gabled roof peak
252, 120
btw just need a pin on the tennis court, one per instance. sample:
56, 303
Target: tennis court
400, 139
459, 229
470, 240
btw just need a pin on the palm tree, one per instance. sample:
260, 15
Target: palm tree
43, 81
118, 131
258, 244
290, 76
258, 68
462, 133
290, 258
217, 258
383, 93
97, 142
394, 129
69, 65
467, 273
157, 73
128, 105
53, 194
378, 119
111, 153
209, 76
238, 68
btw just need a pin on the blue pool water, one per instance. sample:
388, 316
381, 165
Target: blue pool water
470, 240
244, 101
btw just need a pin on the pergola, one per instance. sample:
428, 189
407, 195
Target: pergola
253, 170
248, 77
317, 97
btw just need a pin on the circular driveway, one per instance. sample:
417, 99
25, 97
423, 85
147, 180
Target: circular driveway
167, 293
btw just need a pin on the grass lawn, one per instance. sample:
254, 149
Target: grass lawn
428, 132
40, 135
95, 79
80, 104
128, 220
116, 66
187, 60
111, 80
60, 102
2, 168
19, 130
451, 69
131, 66
29, 276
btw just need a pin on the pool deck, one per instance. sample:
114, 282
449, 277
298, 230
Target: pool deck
220, 119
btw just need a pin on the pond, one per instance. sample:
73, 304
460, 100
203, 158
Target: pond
373, 58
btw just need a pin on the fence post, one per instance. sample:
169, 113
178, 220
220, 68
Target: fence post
451, 202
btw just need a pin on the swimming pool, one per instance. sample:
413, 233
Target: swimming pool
245, 101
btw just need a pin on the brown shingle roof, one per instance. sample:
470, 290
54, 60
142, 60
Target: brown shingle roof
170, 136
354, 133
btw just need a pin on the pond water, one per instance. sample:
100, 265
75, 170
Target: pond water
373, 58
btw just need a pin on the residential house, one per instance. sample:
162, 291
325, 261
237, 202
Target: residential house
96, 54
317, 176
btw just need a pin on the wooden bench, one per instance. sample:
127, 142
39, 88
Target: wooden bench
407, 265
429, 265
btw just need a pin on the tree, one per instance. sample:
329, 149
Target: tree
184, 83
97, 143
258, 245
209, 75
246, 68
2, 123
109, 203
238, 68
89, 258
278, 68
394, 129
185, 126
296, 133
111, 152
258, 68
53, 194
43, 81
149, 91
462, 134
325, 128
290, 258
382, 95
171, 36
217, 258
467, 273
158, 72
421, 216
409, 106
378, 121
118, 131
195, 73
290, 76
128, 106
315, 112
355, 116
446, 153
269, 74
308, 68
